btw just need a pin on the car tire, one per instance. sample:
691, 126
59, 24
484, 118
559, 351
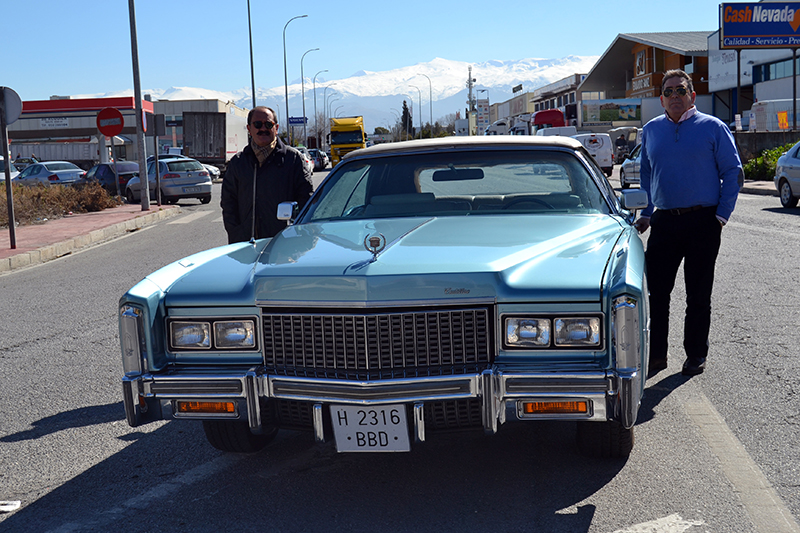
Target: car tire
622, 181
129, 197
787, 199
205, 200
234, 436
604, 439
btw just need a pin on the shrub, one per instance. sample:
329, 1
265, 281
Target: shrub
35, 205
762, 167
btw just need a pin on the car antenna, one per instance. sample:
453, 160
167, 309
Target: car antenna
253, 226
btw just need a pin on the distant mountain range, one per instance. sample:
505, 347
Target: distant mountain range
376, 94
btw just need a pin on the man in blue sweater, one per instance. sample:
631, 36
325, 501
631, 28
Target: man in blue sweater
690, 169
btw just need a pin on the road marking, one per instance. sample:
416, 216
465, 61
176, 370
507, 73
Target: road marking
766, 510
190, 218
669, 524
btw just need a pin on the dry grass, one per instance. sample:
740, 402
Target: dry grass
36, 205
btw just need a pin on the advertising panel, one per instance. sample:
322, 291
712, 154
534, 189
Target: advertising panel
606, 112
759, 25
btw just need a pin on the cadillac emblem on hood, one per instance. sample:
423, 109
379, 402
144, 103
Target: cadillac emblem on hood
375, 243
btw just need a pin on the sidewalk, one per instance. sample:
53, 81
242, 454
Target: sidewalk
55, 238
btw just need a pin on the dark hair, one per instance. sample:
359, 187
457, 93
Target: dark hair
261, 108
677, 73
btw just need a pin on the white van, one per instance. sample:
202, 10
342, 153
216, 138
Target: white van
564, 131
601, 147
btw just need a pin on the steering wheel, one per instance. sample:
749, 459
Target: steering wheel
527, 199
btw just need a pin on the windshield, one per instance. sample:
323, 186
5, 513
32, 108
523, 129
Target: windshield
347, 137
458, 183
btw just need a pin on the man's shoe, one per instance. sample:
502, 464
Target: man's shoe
693, 367
656, 366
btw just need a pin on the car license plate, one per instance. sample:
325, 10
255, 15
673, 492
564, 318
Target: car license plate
191, 189
380, 428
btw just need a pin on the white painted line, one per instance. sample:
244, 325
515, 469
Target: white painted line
669, 524
190, 218
768, 513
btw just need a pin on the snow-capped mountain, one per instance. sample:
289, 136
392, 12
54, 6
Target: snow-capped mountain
378, 96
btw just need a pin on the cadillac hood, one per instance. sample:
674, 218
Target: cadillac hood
527, 258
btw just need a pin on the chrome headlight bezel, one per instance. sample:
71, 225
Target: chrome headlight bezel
543, 332
218, 333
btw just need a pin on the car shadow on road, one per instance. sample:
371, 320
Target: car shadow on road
81, 417
794, 211
452, 482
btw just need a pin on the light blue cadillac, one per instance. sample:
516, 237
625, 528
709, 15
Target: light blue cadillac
455, 283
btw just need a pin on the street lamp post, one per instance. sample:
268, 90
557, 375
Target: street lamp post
252, 72
337, 110
303, 95
316, 125
420, 110
325, 106
430, 100
286, 76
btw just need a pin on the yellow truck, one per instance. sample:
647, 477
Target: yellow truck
347, 134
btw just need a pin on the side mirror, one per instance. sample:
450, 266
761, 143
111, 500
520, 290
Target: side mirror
287, 211
634, 199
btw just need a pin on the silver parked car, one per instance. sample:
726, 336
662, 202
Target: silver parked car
629, 172
52, 173
180, 178
787, 176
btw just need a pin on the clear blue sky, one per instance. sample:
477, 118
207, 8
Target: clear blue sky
69, 47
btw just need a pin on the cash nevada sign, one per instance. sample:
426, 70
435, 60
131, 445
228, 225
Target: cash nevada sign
759, 25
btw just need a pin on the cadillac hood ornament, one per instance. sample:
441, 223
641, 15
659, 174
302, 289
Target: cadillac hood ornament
375, 244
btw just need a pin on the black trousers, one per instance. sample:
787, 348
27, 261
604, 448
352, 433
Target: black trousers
693, 238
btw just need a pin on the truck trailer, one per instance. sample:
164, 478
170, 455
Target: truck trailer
213, 138
85, 154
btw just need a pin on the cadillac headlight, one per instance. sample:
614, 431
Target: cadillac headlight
190, 335
581, 332
522, 332
235, 334
228, 333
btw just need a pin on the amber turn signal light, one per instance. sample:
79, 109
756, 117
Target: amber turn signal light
552, 408
206, 407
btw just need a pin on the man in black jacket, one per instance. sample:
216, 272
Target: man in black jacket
279, 175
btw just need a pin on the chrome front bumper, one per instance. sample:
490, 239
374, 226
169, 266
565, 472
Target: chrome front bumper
610, 395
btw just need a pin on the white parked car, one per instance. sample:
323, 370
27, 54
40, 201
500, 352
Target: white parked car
308, 161
14, 172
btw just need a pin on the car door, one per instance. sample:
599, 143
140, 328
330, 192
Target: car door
791, 169
30, 176
636, 156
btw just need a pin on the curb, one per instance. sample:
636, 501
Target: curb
759, 190
60, 249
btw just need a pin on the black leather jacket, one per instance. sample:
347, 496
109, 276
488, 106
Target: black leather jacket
282, 178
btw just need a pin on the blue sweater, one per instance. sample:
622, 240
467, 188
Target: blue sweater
694, 162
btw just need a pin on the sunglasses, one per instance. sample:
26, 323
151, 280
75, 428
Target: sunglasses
669, 90
266, 123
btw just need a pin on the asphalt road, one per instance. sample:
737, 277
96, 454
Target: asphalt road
715, 453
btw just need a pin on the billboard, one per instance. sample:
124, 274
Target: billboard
606, 112
759, 25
